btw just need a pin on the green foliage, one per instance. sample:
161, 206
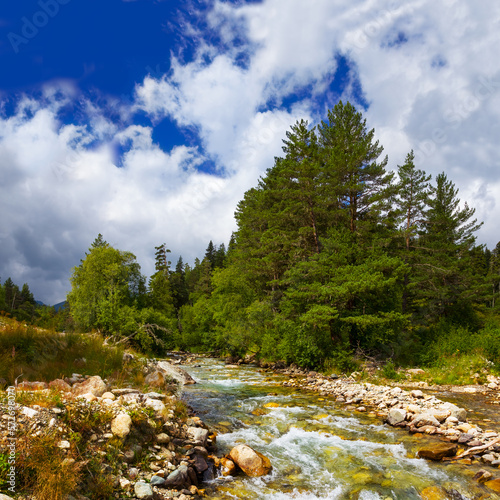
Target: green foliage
104, 289
389, 371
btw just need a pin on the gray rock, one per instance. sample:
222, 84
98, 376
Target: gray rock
157, 481
396, 416
425, 419
178, 478
143, 491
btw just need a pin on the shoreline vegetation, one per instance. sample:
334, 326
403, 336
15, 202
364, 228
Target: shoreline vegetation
89, 437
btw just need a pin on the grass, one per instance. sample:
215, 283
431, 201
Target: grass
42, 355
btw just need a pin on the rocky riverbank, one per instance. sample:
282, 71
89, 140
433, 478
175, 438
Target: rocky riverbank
414, 411
105, 441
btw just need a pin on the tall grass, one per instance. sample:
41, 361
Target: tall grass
44, 355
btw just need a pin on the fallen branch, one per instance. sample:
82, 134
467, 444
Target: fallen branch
476, 448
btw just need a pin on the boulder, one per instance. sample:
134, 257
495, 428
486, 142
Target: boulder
426, 418
396, 416
175, 372
121, 424
155, 379
93, 385
251, 462
143, 491
437, 451
60, 385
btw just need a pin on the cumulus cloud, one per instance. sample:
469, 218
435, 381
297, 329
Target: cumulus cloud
428, 77
425, 75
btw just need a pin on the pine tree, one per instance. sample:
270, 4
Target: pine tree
447, 283
351, 170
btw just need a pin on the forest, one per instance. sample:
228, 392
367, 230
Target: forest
334, 259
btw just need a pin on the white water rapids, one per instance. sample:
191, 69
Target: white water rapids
319, 449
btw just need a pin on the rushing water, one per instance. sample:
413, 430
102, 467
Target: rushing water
318, 448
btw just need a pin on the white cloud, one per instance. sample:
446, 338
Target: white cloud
429, 72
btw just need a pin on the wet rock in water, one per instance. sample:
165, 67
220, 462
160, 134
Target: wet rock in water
251, 462
482, 476
143, 491
438, 451
493, 485
434, 493
228, 467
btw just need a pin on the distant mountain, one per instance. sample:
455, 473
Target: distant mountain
60, 305
57, 307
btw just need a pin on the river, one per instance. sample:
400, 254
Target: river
319, 449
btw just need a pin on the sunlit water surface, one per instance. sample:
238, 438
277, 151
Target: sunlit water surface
319, 449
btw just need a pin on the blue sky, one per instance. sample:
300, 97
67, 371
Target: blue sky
147, 120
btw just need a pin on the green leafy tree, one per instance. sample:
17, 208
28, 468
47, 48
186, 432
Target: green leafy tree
103, 290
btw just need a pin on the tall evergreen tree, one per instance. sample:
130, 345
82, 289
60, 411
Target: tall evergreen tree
351, 167
447, 280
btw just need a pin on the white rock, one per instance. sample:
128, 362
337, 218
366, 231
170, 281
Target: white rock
29, 412
121, 424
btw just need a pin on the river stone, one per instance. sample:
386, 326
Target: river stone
434, 493
157, 481
438, 451
120, 425
396, 416
458, 413
493, 485
178, 478
425, 419
228, 466
175, 372
251, 462
198, 435
93, 385
143, 491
